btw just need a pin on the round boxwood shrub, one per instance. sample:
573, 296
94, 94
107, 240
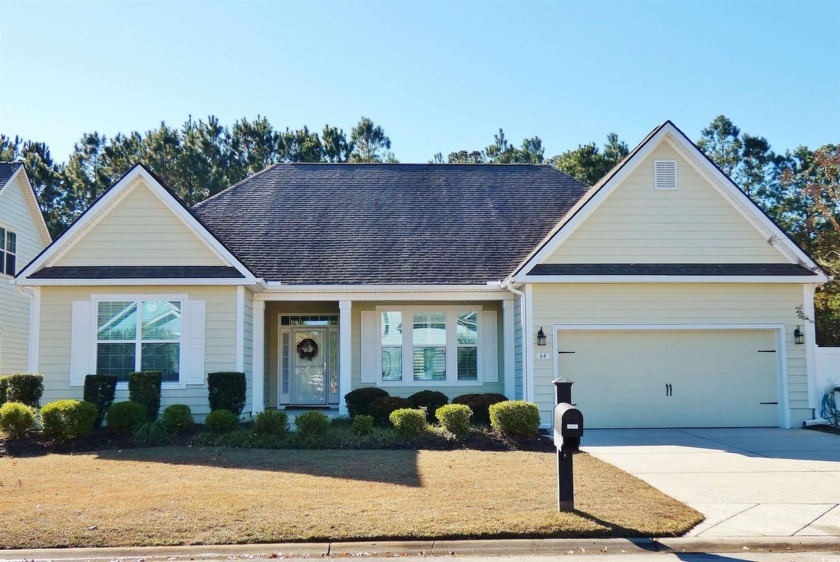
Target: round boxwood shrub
480, 405
516, 418
221, 421
271, 422
359, 401
381, 408
68, 419
455, 418
144, 388
100, 390
124, 417
25, 388
408, 422
429, 401
226, 391
312, 424
16, 419
177, 418
362, 425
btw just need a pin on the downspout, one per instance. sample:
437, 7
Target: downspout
523, 326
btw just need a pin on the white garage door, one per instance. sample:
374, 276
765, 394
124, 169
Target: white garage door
672, 378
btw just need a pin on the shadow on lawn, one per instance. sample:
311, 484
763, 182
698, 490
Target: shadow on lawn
398, 467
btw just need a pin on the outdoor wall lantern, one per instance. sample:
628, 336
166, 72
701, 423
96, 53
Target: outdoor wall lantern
541, 337
798, 337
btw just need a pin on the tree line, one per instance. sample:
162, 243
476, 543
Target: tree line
798, 189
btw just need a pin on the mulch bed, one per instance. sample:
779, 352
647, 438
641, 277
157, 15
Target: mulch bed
825, 429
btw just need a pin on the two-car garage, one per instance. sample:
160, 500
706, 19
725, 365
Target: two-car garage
660, 376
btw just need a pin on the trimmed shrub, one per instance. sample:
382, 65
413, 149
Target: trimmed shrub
144, 388
362, 425
68, 419
124, 417
149, 434
480, 405
312, 424
381, 408
516, 418
26, 389
226, 391
359, 401
100, 390
4, 388
271, 422
408, 422
221, 421
16, 419
428, 401
177, 418
455, 418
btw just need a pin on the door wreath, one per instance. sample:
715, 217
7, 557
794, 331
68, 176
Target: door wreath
307, 349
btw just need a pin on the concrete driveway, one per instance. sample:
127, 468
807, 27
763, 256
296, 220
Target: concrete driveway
747, 482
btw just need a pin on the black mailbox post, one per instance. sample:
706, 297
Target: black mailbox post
568, 429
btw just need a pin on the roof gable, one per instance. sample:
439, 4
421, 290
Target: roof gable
137, 226
13, 174
625, 220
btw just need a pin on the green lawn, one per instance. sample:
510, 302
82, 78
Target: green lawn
180, 495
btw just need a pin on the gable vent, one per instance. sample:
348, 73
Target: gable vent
665, 174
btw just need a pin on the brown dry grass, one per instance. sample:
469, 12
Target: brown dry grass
173, 495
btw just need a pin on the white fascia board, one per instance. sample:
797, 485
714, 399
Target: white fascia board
585, 207
275, 291
669, 279
34, 207
132, 282
116, 193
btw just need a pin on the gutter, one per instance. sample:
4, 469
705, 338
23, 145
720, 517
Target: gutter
33, 294
506, 285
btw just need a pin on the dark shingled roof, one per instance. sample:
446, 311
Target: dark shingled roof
7, 170
702, 269
389, 223
137, 272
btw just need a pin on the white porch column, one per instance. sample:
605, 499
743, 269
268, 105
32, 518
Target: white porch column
507, 348
345, 362
257, 374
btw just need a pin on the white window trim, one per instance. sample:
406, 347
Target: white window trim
95, 299
3, 249
408, 313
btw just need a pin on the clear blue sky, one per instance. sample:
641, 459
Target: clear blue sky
438, 76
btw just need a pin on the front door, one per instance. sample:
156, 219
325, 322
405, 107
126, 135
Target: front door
310, 385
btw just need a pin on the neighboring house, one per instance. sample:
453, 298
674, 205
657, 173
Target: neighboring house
663, 292
23, 234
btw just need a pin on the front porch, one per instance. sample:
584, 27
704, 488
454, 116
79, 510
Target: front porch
307, 353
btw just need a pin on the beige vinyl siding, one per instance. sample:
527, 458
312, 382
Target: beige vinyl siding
248, 349
17, 215
139, 230
691, 224
219, 334
676, 304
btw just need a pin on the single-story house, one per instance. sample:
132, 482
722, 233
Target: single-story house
23, 234
663, 292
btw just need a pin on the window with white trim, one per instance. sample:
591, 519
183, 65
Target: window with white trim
138, 335
429, 346
8, 251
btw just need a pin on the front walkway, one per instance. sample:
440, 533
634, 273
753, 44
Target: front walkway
747, 482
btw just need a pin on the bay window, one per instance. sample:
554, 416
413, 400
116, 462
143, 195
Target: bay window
434, 345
